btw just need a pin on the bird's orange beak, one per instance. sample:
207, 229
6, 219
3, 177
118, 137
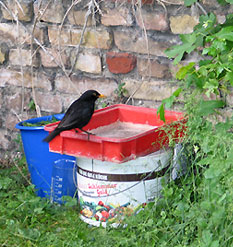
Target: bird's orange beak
102, 96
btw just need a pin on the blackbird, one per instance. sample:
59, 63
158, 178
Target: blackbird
78, 114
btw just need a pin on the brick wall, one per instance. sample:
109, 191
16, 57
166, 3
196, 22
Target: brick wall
123, 42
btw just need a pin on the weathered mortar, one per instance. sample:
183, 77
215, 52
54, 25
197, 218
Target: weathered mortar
119, 28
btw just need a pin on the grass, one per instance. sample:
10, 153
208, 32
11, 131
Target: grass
27, 220
196, 210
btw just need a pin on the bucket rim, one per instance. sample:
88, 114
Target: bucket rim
36, 120
65, 160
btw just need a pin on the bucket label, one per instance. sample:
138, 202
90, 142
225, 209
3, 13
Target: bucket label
96, 189
111, 201
93, 175
122, 177
109, 191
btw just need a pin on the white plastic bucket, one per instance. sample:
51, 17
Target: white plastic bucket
107, 191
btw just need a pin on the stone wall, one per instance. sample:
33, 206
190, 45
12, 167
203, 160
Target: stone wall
50, 52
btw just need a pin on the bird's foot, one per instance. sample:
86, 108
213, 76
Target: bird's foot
88, 134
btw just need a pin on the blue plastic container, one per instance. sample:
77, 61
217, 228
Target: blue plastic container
63, 180
40, 161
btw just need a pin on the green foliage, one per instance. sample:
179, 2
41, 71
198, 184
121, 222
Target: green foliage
206, 108
121, 91
189, 2
161, 112
41, 123
213, 74
199, 208
168, 102
31, 105
195, 210
222, 2
214, 141
27, 220
189, 44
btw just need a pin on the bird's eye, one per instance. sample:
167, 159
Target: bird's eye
94, 94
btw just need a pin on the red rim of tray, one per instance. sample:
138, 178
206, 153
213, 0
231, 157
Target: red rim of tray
174, 119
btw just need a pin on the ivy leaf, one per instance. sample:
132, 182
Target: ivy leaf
31, 105
207, 23
32, 234
195, 79
177, 92
229, 1
210, 17
212, 86
229, 77
214, 243
189, 39
189, 2
150, 223
178, 51
212, 172
5, 182
222, 2
206, 237
180, 75
204, 62
229, 20
220, 45
208, 107
168, 102
225, 33
161, 112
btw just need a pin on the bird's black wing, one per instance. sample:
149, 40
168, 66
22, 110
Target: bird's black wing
77, 116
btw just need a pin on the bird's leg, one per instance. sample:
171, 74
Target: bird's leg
88, 134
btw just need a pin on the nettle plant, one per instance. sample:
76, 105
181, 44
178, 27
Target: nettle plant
222, 2
213, 74
204, 86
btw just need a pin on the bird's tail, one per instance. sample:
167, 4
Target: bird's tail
52, 135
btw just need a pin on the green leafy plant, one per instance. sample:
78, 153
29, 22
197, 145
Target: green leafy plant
168, 102
204, 193
213, 74
32, 105
120, 91
39, 124
222, 2
195, 210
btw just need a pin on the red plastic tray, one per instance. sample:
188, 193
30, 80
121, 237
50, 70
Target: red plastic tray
120, 149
